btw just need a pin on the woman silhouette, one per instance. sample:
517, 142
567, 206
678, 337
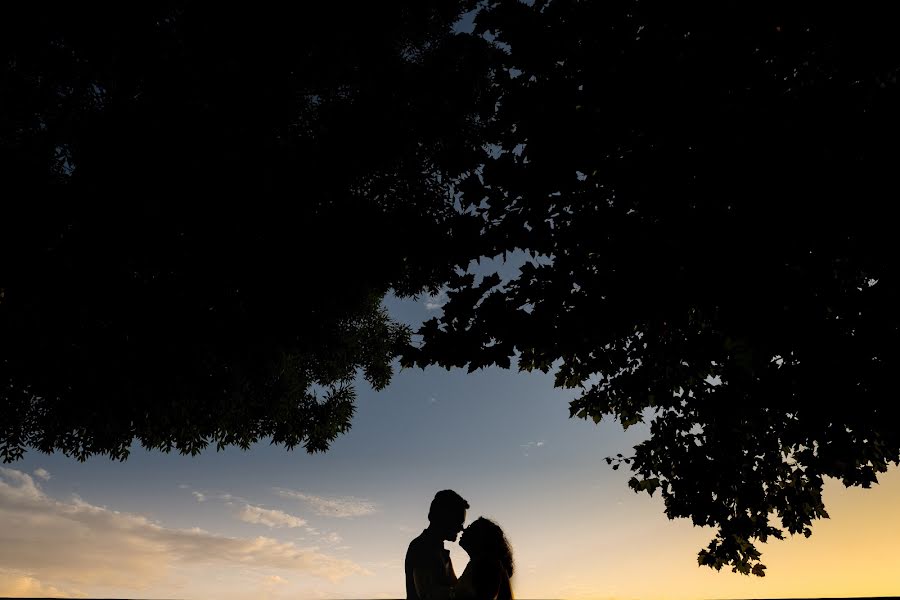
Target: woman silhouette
486, 577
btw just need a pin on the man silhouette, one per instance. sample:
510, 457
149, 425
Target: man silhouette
429, 572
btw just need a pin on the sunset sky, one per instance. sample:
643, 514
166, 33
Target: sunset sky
272, 524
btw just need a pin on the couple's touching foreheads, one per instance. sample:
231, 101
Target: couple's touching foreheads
429, 572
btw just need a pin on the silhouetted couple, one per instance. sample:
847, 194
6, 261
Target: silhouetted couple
429, 572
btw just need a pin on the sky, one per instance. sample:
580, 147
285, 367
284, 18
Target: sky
271, 524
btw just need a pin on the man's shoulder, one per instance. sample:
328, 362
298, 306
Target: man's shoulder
421, 545
423, 540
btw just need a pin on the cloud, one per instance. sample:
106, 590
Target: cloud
43, 474
226, 498
333, 538
23, 585
271, 587
531, 446
230, 499
269, 517
344, 506
83, 544
435, 301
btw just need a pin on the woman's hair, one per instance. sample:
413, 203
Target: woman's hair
487, 538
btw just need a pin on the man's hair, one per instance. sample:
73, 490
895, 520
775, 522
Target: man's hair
446, 502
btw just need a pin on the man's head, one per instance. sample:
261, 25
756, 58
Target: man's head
447, 514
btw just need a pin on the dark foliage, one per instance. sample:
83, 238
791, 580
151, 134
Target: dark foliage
204, 206
709, 190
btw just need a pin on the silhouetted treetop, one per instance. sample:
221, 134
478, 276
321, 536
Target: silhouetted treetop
245, 184
707, 191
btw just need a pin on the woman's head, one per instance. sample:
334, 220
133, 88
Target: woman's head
484, 538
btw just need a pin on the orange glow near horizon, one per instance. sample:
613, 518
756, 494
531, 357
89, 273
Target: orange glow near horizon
855, 553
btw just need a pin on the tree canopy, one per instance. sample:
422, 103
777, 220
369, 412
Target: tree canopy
204, 207
706, 191
707, 194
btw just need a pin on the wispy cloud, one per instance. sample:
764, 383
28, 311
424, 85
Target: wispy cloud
272, 581
269, 517
531, 446
333, 538
42, 473
340, 506
224, 497
230, 499
82, 544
